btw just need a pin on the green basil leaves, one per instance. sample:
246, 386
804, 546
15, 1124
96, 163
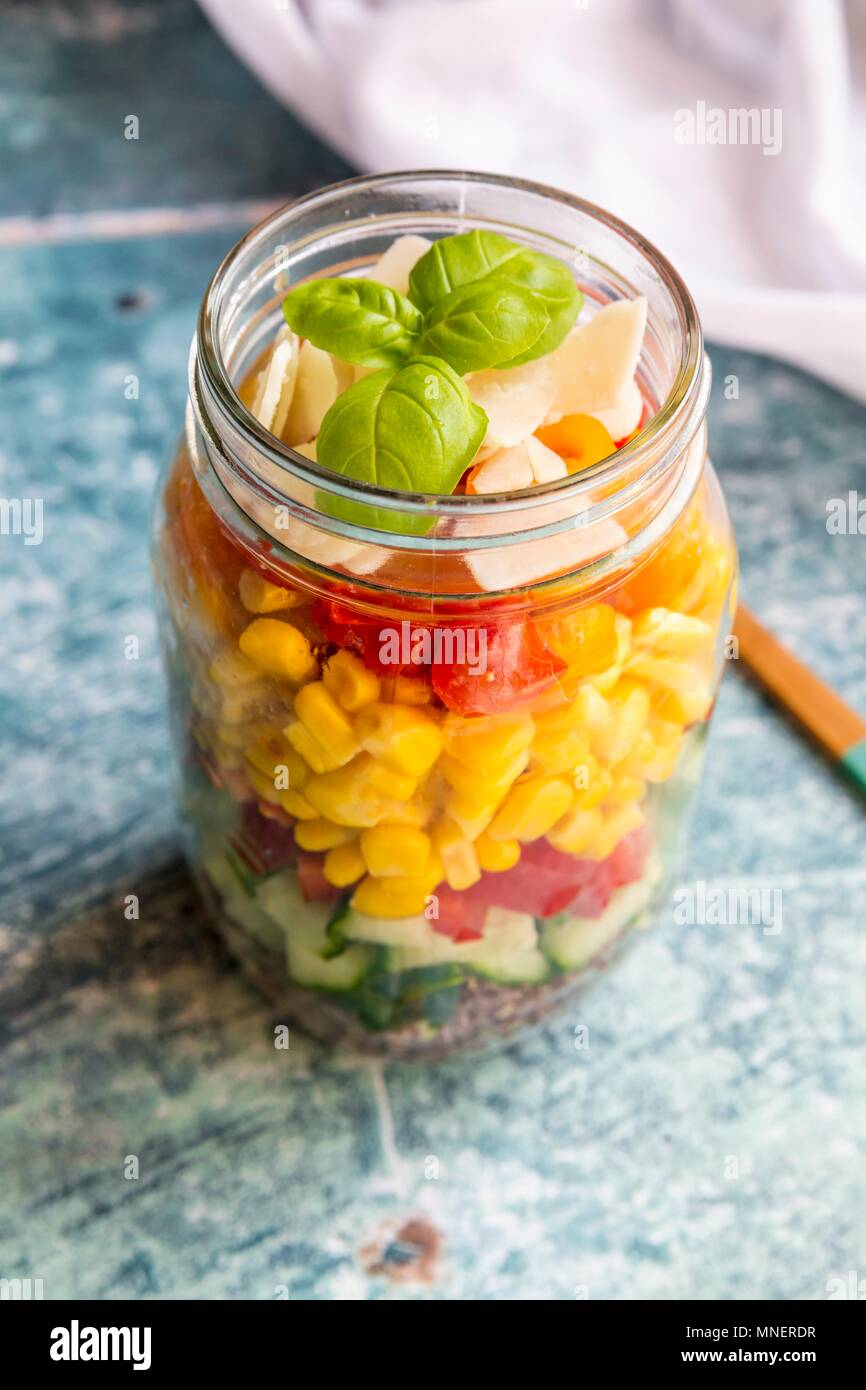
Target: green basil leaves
476, 301
357, 320
414, 430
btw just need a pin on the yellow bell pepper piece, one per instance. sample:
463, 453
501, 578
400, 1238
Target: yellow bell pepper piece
459, 860
278, 649
349, 681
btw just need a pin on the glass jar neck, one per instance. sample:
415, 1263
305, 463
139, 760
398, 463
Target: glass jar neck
596, 521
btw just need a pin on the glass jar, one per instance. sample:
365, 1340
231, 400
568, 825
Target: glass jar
455, 780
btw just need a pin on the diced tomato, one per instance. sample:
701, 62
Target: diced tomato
515, 666
461, 915
364, 635
312, 882
546, 881
628, 860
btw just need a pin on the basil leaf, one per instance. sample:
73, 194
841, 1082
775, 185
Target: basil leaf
357, 320
480, 256
484, 324
414, 430
552, 281
455, 261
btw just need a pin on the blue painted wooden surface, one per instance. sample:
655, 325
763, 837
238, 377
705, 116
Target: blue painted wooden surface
708, 1143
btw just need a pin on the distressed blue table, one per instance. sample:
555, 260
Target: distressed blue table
707, 1143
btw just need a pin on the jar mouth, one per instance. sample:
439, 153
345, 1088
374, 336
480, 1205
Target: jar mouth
313, 232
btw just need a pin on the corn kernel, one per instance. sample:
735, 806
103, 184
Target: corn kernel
681, 707
606, 680
391, 783
665, 630
372, 899
592, 782
321, 834
259, 595
577, 829
495, 856
402, 885
625, 789
297, 805
459, 860
345, 795
395, 850
231, 669
471, 814
344, 864
406, 690
350, 682
617, 825
493, 783
560, 752
490, 745
404, 738
297, 771
279, 649
531, 808
668, 671
630, 707
299, 736
327, 723
263, 786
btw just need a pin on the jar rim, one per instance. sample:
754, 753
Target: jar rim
665, 434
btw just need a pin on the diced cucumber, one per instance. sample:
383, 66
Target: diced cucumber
574, 942
310, 946
341, 972
507, 953
386, 931
238, 904
281, 898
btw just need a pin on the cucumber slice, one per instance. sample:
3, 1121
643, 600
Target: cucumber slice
238, 904
386, 931
281, 898
574, 942
508, 952
341, 972
309, 942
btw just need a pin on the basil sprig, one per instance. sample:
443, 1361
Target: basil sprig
475, 301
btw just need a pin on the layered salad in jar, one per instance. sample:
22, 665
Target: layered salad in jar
423, 825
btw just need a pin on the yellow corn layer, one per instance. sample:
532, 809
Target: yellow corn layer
327, 724
403, 737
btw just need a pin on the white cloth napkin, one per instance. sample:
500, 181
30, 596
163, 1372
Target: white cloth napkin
619, 101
